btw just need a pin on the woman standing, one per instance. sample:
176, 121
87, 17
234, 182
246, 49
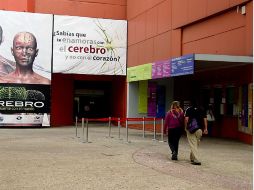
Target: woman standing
210, 119
174, 125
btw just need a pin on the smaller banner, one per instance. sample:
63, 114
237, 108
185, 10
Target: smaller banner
250, 106
24, 98
24, 119
161, 69
142, 94
183, 65
141, 72
152, 108
161, 97
244, 106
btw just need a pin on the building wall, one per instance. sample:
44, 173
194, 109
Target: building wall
119, 96
133, 94
63, 95
228, 126
222, 35
161, 29
157, 30
112, 9
61, 100
21, 5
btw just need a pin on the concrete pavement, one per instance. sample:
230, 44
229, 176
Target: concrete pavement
53, 158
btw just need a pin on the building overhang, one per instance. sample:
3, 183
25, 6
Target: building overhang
207, 62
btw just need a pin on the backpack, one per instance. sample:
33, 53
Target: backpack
192, 126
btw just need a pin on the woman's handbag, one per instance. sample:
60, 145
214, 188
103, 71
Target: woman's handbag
210, 117
192, 126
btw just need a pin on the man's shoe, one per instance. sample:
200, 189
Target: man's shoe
196, 162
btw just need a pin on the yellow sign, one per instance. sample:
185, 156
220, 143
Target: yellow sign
138, 73
142, 96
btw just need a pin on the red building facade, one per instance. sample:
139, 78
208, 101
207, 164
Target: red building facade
164, 29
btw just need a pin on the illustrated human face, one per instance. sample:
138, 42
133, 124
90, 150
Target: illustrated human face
24, 49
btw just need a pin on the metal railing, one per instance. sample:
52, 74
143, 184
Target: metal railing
142, 121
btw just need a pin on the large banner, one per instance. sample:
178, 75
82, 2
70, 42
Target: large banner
25, 68
89, 45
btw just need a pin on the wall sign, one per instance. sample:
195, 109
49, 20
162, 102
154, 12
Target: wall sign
89, 45
161, 69
141, 72
183, 65
25, 68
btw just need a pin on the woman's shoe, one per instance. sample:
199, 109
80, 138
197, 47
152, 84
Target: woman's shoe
174, 156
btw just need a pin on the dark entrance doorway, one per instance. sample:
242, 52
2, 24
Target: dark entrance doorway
92, 99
